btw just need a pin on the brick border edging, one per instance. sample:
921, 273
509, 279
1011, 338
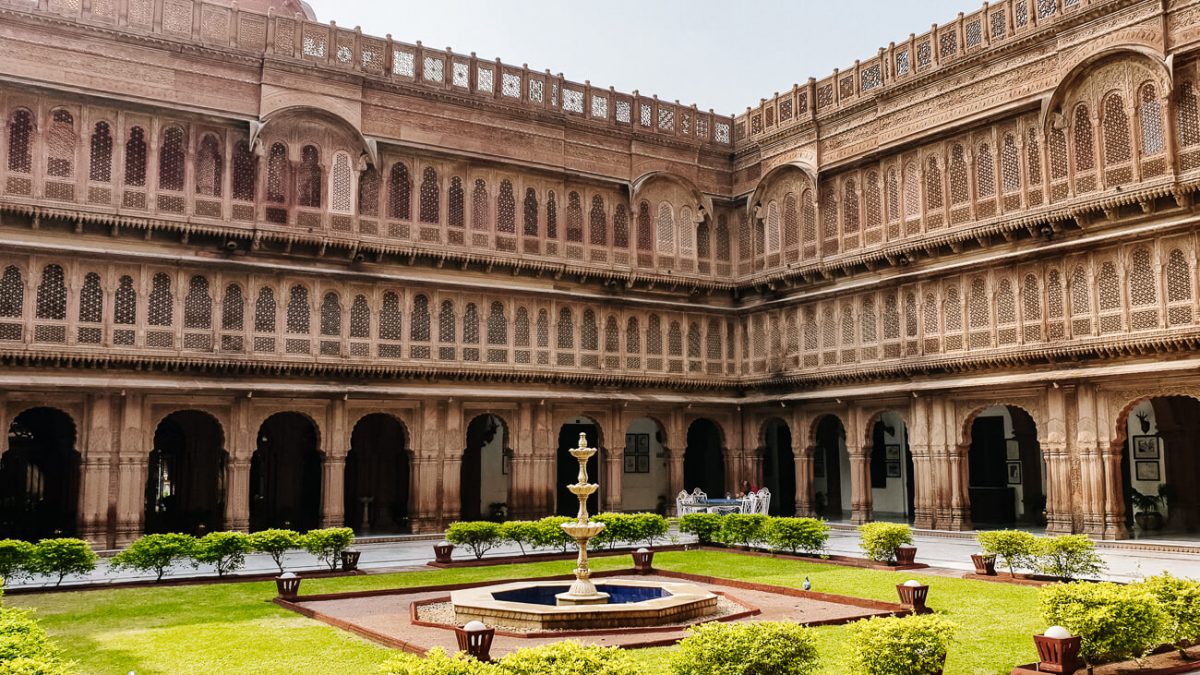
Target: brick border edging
186, 581
828, 559
547, 557
296, 605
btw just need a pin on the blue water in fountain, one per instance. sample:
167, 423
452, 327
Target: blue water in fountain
617, 595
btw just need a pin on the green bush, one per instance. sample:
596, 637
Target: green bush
1116, 622
226, 551
25, 649
15, 555
705, 526
551, 535
880, 540
648, 528
275, 543
1179, 600
629, 528
328, 543
25, 665
797, 534
1014, 548
913, 645
616, 526
762, 648
520, 532
436, 662
62, 557
480, 536
743, 528
156, 553
567, 658
1069, 556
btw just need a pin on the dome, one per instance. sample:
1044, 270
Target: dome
284, 7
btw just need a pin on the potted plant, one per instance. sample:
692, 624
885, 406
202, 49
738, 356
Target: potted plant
1145, 511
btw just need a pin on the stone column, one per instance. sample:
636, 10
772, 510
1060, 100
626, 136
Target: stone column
423, 477
94, 472
675, 466
918, 445
521, 480
1113, 497
1057, 460
860, 483
132, 460
545, 449
803, 456
614, 468
452, 443
333, 491
237, 494
1091, 464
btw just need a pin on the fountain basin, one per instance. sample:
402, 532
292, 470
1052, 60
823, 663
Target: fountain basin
630, 603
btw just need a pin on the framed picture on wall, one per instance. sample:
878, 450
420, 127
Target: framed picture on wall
1146, 470
1014, 473
893, 453
1014, 449
630, 463
637, 453
893, 468
819, 463
506, 464
1145, 447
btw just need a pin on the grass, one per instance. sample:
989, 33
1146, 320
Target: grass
233, 628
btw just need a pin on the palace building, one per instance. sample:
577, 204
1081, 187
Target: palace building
258, 270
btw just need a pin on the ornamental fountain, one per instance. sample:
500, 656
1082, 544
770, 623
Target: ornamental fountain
552, 605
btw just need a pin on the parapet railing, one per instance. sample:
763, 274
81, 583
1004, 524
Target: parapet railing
330, 45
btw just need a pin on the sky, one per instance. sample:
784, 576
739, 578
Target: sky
720, 55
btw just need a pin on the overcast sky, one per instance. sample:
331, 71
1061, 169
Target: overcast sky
721, 55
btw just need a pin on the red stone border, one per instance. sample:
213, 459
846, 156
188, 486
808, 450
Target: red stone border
1163, 661
547, 556
186, 581
843, 560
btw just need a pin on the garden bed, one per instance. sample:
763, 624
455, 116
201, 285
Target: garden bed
1165, 661
844, 560
548, 556
183, 581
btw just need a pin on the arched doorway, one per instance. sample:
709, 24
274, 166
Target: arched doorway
704, 460
285, 474
1160, 460
568, 467
1005, 468
377, 473
892, 475
646, 473
39, 476
185, 480
831, 469
779, 467
485, 471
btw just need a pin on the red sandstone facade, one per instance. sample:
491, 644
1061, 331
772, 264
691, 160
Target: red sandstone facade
257, 270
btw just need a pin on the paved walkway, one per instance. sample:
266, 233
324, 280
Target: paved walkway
951, 551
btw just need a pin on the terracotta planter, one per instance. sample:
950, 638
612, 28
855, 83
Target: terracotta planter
984, 564
1058, 655
350, 560
643, 560
477, 643
442, 551
1149, 521
287, 587
905, 555
914, 597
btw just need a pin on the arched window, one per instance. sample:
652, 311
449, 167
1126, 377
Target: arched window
446, 327
1116, 131
360, 317
398, 192
933, 185
232, 309
456, 216
100, 166
298, 311
849, 207
368, 193
774, 228
430, 196
530, 213
161, 305
620, 227
1033, 157
52, 294
20, 141
1151, 121
829, 217
551, 216
341, 184
308, 178
278, 174
1081, 304
959, 192
633, 337
331, 315
480, 210
612, 336
1006, 304
264, 311
497, 325
1085, 157
980, 313
723, 243
893, 196
985, 173
791, 222
506, 208
60, 145
566, 329
645, 236
521, 328
91, 300
590, 334
1031, 306
1188, 116
390, 318
135, 158
574, 218
654, 344
598, 222
419, 330
1108, 297
543, 332
1010, 166
125, 303
209, 167
687, 234
245, 172
470, 328
197, 304
1179, 277
912, 191
172, 153
703, 246
1142, 284
666, 229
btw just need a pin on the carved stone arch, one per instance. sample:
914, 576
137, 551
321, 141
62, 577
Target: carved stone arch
774, 184
218, 414
669, 183
1098, 70
401, 419
1122, 402
872, 415
260, 417
967, 411
340, 121
814, 422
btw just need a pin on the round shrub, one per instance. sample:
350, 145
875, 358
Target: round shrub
1116, 622
520, 532
1179, 600
567, 658
436, 662
551, 535
746, 529
15, 555
1014, 548
25, 648
226, 551
62, 557
913, 645
480, 536
775, 647
157, 553
880, 540
328, 543
1069, 556
275, 543
705, 526
648, 528
797, 534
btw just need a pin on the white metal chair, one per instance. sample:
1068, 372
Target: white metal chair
750, 503
764, 501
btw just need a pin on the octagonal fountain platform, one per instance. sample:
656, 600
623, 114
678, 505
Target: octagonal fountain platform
629, 604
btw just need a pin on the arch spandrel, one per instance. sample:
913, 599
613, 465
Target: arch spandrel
966, 411
778, 181
1120, 403
656, 186
287, 111
1095, 74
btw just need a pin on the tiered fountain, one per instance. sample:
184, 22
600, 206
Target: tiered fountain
548, 605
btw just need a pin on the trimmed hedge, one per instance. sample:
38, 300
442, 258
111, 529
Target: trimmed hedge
559, 658
1015, 549
25, 647
880, 540
61, 558
328, 543
797, 534
1068, 557
913, 645
706, 526
1116, 622
157, 553
776, 647
746, 529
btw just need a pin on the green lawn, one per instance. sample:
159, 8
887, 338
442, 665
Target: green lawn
233, 628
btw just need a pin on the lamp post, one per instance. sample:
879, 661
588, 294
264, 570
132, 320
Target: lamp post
643, 560
288, 585
442, 551
913, 595
476, 639
1058, 651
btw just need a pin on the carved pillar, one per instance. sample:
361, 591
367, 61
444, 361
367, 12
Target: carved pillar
923, 478
1091, 464
803, 456
614, 468
1113, 498
333, 467
133, 458
1057, 459
675, 462
424, 479
240, 447
451, 443
521, 481
94, 472
860, 483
